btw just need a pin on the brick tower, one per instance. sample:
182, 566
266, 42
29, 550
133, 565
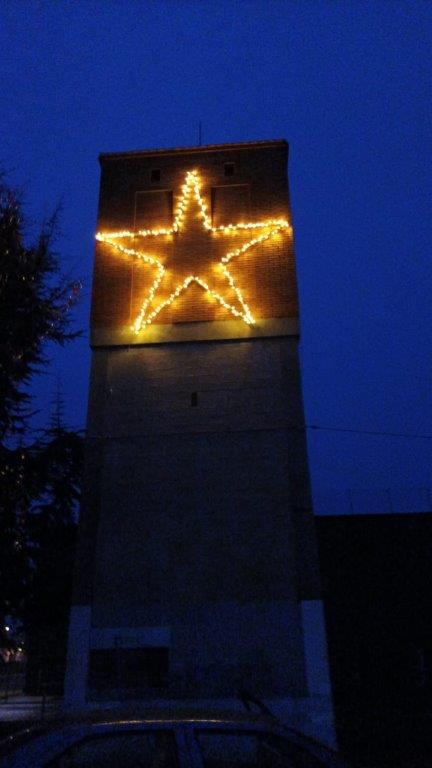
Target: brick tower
196, 569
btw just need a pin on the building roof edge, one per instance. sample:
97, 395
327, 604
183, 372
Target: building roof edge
191, 150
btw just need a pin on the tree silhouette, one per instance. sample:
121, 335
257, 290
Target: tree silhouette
39, 474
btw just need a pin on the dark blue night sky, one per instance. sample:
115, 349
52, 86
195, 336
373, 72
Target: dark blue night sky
348, 85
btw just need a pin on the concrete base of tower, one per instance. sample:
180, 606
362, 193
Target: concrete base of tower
309, 710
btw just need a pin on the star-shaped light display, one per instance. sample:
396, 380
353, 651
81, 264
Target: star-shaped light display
173, 267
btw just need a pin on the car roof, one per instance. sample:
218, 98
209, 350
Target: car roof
139, 716
146, 715
134, 716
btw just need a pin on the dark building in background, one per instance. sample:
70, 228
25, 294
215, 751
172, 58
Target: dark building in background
378, 604
197, 569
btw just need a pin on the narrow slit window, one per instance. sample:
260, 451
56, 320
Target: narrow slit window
194, 399
155, 175
229, 169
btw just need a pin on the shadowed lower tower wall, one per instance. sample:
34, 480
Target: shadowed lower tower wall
197, 569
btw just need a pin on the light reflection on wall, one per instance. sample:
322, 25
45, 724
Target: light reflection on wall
191, 189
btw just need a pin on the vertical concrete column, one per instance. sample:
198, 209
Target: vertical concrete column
317, 671
78, 656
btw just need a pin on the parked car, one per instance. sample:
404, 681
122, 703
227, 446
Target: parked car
164, 740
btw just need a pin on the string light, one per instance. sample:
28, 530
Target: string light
192, 188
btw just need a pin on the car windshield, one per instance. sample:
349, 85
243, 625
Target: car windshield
251, 749
130, 749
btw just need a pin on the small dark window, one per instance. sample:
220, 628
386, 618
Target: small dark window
155, 175
229, 169
130, 669
194, 399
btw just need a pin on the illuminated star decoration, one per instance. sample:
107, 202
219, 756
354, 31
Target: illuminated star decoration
216, 271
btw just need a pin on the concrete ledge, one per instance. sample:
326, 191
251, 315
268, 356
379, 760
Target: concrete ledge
180, 332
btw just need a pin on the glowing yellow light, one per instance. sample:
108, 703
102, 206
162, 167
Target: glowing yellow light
192, 188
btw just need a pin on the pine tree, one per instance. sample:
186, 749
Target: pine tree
51, 530
34, 304
39, 476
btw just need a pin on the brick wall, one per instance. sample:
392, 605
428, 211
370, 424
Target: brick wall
256, 190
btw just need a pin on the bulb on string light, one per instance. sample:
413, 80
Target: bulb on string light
192, 188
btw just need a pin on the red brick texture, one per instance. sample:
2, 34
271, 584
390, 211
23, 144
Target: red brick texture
131, 198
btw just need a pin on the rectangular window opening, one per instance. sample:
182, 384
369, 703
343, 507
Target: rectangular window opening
229, 169
155, 175
153, 209
230, 203
194, 399
128, 669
